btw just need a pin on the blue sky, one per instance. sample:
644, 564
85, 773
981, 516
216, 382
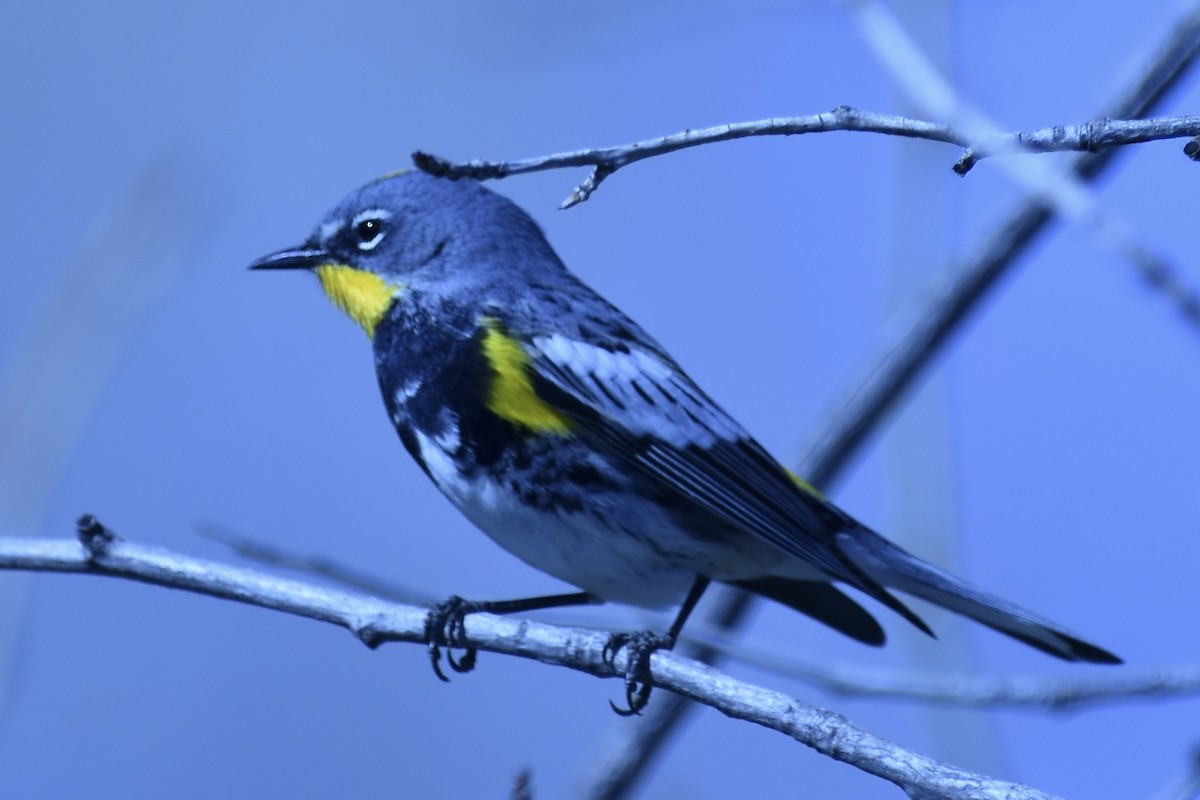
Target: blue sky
1050, 456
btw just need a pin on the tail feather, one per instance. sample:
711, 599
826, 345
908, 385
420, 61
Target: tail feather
823, 602
897, 569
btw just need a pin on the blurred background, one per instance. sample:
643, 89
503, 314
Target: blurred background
152, 151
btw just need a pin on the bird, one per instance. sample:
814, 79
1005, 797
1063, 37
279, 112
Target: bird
565, 432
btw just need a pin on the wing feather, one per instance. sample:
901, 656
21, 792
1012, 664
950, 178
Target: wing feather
646, 410
689, 445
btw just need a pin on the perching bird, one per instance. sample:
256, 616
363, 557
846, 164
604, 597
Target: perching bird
572, 438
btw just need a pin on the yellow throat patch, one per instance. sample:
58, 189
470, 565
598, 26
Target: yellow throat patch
365, 296
511, 395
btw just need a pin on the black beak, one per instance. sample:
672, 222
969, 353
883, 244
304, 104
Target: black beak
305, 256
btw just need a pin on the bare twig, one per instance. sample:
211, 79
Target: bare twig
375, 621
896, 369
1054, 695
1089, 137
964, 691
1071, 197
271, 556
56, 366
607, 160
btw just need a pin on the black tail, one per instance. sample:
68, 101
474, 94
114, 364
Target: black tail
823, 602
897, 569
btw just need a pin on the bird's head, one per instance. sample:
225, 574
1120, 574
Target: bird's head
410, 230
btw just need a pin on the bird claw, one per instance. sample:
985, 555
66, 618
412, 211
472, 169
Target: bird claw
445, 627
638, 680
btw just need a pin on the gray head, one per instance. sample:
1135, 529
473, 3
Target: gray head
411, 230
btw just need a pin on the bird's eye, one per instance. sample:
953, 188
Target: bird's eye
369, 231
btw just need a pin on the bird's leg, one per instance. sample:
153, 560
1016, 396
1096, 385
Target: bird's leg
643, 644
444, 624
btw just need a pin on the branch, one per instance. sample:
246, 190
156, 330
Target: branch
1059, 695
962, 691
1089, 137
268, 555
100, 552
1069, 195
965, 691
607, 160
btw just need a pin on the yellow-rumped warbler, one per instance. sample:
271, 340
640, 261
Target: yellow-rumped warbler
571, 438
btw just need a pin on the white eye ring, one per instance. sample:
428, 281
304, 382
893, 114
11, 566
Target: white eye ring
369, 229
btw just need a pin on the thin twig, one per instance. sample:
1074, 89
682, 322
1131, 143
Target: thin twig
607, 160
963, 691
1071, 197
895, 370
1052, 695
376, 621
1088, 137
356, 580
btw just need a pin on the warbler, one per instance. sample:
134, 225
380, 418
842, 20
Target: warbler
568, 435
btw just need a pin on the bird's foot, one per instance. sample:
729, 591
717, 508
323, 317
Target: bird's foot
639, 646
444, 627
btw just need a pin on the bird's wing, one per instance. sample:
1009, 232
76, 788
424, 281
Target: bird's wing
645, 410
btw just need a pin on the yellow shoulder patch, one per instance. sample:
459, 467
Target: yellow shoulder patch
805, 485
363, 295
511, 395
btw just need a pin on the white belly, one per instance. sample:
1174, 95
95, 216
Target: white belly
610, 555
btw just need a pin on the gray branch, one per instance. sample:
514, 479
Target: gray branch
963, 691
1089, 137
607, 160
966, 691
100, 552
1061, 695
